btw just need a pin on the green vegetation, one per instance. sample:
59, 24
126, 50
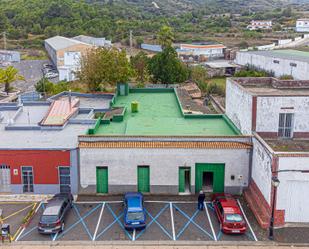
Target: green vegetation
102, 67
28, 23
9, 75
166, 68
50, 88
139, 63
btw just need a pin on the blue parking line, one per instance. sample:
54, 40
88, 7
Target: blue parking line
219, 235
83, 222
211, 206
28, 232
193, 222
154, 219
80, 220
249, 236
109, 226
188, 223
116, 220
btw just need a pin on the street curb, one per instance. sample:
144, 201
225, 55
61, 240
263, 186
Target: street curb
157, 243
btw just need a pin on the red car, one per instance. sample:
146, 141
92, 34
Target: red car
229, 214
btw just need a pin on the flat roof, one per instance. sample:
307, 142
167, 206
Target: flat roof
268, 86
60, 42
288, 54
288, 145
159, 114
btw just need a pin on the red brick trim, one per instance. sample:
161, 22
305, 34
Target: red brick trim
258, 204
254, 110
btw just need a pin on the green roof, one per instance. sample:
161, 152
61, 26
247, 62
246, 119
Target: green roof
159, 113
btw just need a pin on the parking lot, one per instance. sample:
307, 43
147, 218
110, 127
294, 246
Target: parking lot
103, 221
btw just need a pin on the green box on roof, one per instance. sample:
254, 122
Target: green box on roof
134, 106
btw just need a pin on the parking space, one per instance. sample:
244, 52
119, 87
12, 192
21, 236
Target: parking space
102, 221
13, 213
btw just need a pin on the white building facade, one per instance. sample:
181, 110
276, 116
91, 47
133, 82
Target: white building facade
276, 113
302, 25
260, 24
280, 62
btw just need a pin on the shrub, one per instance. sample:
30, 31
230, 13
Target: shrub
286, 77
214, 88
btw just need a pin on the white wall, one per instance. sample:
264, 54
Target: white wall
292, 191
239, 107
164, 164
301, 72
261, 169
268, 109
72, 58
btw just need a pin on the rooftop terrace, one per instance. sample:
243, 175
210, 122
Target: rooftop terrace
267, 86
160, 114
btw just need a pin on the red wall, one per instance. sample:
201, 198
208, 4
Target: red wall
45, 164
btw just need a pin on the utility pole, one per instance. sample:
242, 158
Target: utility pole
131, 42
4, 40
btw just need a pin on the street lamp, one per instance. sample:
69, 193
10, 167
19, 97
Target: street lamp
275, 183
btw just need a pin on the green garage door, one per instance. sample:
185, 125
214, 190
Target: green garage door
143, 184
211, 174
102, 180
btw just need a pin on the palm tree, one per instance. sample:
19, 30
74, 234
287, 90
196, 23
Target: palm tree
9, 75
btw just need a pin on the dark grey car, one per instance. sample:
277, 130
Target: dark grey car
52, 219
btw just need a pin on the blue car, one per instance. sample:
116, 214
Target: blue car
134, 211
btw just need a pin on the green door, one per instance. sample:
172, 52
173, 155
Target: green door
102, 180
143, 181
215, 171
184, 180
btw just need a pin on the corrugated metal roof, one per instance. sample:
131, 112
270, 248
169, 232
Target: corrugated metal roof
60, 42
194, 46
60, 111
158, 144
288, 54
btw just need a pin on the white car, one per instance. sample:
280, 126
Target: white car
51, 75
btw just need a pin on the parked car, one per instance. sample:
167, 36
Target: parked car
229, 214
48, 66
51, 75
52, 219
134, 211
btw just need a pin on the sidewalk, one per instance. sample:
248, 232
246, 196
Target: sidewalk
145, 245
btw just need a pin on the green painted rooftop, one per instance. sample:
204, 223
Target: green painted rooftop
159, 114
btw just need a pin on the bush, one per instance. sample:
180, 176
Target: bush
50, 88
286, 77
251, 73
214, 88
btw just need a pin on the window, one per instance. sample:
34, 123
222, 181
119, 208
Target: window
285, 125
293, 64
276, 62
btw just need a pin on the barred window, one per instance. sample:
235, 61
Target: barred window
285, 125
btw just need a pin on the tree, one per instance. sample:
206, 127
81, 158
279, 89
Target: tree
166, 68
9, 75
165, 36
199, 74
103, 66
139, 63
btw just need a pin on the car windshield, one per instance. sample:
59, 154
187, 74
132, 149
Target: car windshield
233, 218
49, 218
135, 216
